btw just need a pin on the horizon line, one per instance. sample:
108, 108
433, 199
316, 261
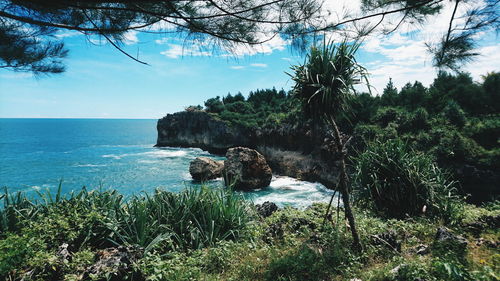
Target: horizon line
103, 118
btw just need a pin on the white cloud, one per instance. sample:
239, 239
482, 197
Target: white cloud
64, 34
276, 43
405, 58
176, 51
237, 67
98, 41
130, 37
258, 65
488, 61
162, 41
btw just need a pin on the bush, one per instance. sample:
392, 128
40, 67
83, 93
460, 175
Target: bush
386, 115
400, 182
192, 219
454, 113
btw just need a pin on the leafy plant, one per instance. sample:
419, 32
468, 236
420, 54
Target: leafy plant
400, 182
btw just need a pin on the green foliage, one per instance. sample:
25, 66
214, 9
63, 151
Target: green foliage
232, 99
491, 86
240, 107
304, 249
386, 115
455, 114
263, 107
390, 95
306, 263
485, 131
191, 219
14, 250
214, 105
401, 182
450, 270
325, 82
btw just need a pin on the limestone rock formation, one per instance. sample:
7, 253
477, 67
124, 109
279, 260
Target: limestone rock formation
199, 129
204, 168
246, 169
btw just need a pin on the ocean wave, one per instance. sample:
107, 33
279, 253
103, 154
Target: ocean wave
288, 183
145, 161
154, 153
124, 145
166, 153
114, 156
89, 165
287, 191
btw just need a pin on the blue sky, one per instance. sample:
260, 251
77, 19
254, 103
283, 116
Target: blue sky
100, 82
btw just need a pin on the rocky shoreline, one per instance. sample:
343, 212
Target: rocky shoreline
298, 152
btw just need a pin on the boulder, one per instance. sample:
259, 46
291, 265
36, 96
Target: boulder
266, 209
446, 241
116, 262
204, 168
443, 234
246, 169
389, 239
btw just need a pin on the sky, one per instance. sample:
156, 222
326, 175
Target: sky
100, 82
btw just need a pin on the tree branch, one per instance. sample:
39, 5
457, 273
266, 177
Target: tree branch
111, 41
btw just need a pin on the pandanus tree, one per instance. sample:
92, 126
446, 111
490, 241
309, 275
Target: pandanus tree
324, 84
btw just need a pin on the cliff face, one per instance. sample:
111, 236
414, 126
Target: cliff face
199, 129
298, 152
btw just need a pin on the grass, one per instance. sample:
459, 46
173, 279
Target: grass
212, 234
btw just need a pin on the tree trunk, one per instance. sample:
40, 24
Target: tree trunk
344, 190
343, 184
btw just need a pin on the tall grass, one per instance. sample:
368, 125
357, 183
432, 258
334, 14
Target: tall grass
400, 182
191, 219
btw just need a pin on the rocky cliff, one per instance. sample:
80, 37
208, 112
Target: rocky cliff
199, 129
295, 151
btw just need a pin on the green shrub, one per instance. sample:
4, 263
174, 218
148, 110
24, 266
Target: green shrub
400, 182
454, 113
191, 219
454, 149
14, 250
386, 115
309, 263
445, 269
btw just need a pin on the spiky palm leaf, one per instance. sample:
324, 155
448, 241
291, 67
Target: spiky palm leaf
326, 80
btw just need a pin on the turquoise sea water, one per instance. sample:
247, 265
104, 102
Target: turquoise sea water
36, 154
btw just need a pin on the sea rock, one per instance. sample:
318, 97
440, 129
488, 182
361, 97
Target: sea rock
246, 169
266, 209
204, 168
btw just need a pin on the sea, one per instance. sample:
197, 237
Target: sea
37, 155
